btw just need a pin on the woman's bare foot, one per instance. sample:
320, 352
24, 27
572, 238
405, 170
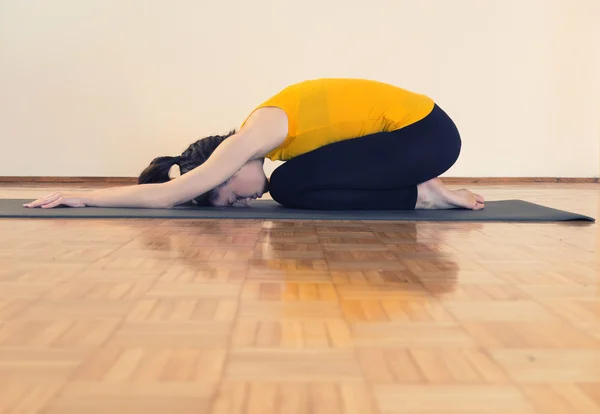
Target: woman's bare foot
433, 195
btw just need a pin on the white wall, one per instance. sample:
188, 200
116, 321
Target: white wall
98, 88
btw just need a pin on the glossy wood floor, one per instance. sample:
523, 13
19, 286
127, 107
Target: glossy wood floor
232, 317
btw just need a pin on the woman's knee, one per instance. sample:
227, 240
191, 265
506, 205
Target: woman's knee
449, 144
453, 148
281, 187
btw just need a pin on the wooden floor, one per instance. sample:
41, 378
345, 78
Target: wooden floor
231, 317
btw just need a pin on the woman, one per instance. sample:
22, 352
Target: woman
346, 143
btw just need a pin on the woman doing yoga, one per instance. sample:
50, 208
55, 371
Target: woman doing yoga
346, 144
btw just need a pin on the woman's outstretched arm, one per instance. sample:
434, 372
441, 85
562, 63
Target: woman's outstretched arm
264, 131
224, 162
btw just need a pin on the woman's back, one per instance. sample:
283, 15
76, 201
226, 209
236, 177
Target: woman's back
323, 111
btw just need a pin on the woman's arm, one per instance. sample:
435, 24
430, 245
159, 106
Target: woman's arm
229, 156
265, 130
226, 160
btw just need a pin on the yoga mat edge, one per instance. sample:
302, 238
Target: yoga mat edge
502, 211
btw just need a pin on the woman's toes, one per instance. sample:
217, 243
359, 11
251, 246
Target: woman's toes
477, 206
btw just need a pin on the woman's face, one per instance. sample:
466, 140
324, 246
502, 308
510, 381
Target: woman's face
248, 184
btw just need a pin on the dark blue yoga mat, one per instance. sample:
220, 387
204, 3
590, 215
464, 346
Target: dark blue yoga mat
503, 211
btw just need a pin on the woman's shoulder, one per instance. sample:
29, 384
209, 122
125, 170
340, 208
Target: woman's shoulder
267, 127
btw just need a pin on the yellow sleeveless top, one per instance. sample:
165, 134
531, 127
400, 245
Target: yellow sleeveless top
323, 111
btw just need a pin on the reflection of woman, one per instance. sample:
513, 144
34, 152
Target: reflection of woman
348, 143
428, 265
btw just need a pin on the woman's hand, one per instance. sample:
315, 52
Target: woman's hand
57, 199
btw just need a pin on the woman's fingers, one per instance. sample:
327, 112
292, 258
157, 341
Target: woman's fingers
55, 200
53, 204
45, 200
40, 201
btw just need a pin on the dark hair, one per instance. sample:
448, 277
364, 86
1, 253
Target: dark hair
195, 155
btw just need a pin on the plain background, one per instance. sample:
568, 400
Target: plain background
99, 88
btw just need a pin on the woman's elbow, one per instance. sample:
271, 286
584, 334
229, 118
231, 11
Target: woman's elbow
171, 200
161, 199
167, 202
164, 205
157, 203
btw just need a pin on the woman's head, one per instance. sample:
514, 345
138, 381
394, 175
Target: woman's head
247, 183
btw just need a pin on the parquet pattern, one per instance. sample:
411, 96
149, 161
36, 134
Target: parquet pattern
245, 317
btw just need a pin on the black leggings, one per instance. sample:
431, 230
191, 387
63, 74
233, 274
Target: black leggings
374, 172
